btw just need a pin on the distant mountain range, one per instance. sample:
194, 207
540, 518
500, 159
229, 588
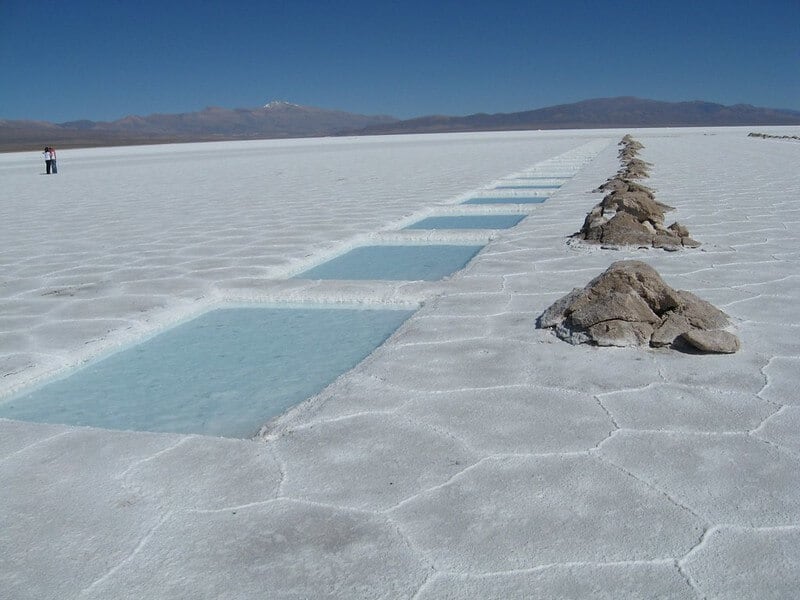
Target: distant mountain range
598, 113
276, 119
285, 120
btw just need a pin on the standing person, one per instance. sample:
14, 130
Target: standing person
53, 165
48, 159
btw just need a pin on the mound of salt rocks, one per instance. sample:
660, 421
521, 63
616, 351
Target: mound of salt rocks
630, 215
630, 305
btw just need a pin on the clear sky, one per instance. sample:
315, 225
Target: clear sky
104, 59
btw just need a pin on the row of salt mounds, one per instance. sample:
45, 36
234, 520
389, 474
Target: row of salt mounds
629, 304
630, 215
767, 136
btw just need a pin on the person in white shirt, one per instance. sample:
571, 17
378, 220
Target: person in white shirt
48, 159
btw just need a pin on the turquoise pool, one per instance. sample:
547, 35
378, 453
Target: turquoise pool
403, 263
468, 222
224, 373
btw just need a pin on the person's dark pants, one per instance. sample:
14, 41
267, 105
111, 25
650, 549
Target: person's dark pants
48, 164
53, 166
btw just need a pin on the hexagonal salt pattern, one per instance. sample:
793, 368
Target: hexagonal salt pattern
278, 549
761, 564
16, 437
782, 379
522, 512
66, 518
641, 581
686, 408
576, 472
522, 420
207, 473
368, 462
437, 364
783, 429
727, 478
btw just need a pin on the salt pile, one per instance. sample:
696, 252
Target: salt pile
629, 305
630, 215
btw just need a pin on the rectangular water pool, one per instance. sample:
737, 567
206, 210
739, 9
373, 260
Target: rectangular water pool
526, 187
399, 263
468, 222
507, 200
224, 373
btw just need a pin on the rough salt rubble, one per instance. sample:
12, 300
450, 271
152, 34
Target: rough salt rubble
630, 305
630, 215
471, 455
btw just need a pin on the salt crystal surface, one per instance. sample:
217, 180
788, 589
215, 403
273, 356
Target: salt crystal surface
644, 498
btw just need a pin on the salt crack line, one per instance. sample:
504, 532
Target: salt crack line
491, 457
778, 447
687, 577
559, 565
685, 432
436, 343
701, 543
420, 493
36, 443
767, 381
325, 505
147, 459
440, 432
650, 485
420, 553
225, 509
779, 408
282, 469
529, 455
429, 578
328, 420
130, 557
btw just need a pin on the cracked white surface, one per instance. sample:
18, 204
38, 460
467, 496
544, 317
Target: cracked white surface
329, 461
632, 581
471, 456
686, 408
728, 478
347, 555
514, 512
783, 429
761, 563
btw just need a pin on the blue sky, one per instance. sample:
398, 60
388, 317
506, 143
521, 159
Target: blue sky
104, 59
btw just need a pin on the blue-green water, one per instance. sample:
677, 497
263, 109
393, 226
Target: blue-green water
401, 263
468, 222
527, 187
508, 200
225, 373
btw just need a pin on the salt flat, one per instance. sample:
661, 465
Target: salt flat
471, 455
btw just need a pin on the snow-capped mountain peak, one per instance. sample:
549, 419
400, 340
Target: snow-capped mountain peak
279, 104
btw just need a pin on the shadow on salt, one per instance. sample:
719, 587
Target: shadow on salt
225, 373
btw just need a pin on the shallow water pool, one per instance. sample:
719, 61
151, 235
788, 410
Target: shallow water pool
224, 373
507, 200
468, 222
526, 187
399, 263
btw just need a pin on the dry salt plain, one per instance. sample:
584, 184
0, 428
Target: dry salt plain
469, 456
